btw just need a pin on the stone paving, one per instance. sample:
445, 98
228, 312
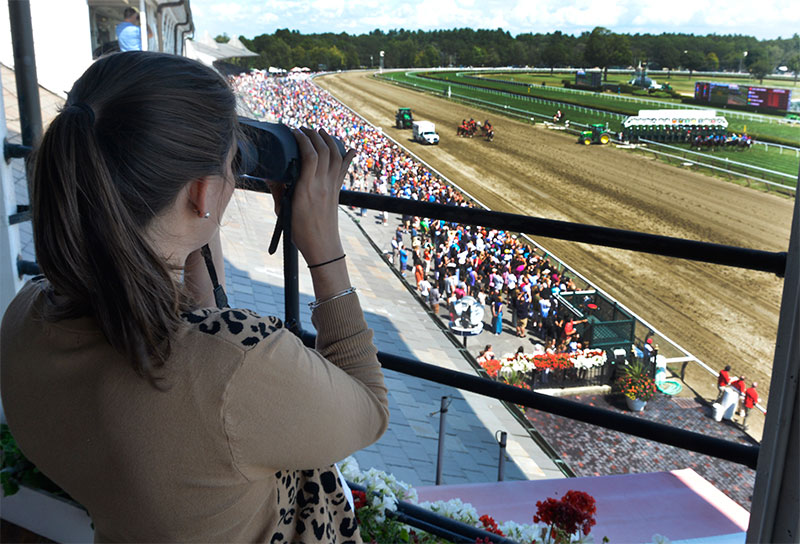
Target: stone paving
594, 451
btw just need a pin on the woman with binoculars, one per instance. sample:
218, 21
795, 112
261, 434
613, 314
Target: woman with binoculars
168, 418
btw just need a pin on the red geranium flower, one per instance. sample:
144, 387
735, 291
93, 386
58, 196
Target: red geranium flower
359, 499
574, 511
490, 524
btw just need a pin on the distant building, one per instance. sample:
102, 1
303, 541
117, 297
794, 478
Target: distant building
208, 51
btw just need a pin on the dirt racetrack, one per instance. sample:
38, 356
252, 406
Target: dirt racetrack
720, 314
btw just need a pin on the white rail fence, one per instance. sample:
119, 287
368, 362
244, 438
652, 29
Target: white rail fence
528, 116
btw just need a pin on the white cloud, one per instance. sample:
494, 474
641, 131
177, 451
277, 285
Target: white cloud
766, 18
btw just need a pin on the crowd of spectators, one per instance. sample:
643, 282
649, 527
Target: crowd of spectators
448, 261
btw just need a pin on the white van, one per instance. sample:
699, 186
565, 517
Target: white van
425, 132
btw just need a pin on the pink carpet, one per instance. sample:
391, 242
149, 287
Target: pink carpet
680, 504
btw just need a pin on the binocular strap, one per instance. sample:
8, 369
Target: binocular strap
284, 216
220, 298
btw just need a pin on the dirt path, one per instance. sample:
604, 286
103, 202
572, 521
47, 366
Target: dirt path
722, 315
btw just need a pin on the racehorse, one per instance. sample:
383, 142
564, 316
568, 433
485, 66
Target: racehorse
487, 130
467, 128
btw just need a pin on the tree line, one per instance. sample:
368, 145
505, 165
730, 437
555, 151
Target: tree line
467, 47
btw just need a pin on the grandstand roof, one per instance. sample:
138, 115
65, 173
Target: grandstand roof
207, 50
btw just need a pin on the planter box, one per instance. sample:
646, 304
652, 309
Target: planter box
46, 515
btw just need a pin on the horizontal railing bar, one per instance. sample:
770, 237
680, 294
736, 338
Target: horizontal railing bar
437, 524
739, 257
657, 432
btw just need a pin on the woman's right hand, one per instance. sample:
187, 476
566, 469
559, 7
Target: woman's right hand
315, 215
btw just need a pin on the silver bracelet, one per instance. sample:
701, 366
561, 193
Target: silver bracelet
317, 303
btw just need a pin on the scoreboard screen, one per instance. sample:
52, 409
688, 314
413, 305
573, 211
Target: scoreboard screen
769, 98
731, 94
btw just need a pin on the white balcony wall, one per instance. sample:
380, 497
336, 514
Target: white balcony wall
61, 39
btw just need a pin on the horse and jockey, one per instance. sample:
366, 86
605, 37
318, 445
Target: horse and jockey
468, 129
714, 141
488, 131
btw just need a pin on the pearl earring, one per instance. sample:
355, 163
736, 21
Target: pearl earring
203, 215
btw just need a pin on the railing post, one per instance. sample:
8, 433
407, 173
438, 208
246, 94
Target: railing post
773, 516
501, 462
442, 434
30, 110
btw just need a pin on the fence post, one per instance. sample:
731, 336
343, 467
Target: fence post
442, 432
501, 462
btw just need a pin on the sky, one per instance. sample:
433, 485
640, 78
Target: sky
761, 18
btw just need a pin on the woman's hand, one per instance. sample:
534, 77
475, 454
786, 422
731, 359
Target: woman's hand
315, 215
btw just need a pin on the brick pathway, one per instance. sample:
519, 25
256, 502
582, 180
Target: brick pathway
594, 451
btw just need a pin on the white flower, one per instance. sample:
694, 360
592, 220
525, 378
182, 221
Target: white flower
522, 533
349, 468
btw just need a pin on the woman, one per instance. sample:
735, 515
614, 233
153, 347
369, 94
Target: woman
497, 314
167, 418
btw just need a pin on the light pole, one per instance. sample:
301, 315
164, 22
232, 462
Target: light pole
381, 69
740, 61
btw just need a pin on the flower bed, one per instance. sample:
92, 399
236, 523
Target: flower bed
582, 367
567, 520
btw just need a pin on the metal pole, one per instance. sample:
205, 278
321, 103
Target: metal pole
501, 463
291, 288
143, 25
30, 111
442, 431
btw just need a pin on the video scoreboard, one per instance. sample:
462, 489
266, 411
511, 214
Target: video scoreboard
731, 94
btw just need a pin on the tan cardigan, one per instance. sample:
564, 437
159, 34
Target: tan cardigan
231, 452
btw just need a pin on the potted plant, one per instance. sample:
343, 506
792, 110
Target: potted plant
637, 385
31, 500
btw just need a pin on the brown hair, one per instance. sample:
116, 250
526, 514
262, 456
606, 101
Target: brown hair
136, 128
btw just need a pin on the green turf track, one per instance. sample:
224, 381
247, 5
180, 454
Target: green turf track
771, 158
786, 134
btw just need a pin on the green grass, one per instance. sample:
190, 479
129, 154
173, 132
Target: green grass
682, 83
777, 132
770, 158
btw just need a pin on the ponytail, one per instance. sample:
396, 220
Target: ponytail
97, 180
92, 252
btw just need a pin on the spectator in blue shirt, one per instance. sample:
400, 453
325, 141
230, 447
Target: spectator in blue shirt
129, 32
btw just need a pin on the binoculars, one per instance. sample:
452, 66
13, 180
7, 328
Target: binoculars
269, 151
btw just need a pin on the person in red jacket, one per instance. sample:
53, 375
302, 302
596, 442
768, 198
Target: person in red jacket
740, 385
723, 381
750, 401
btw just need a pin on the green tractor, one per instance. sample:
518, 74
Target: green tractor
403, 118
597, 134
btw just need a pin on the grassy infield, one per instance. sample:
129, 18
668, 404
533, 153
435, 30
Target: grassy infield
772, 158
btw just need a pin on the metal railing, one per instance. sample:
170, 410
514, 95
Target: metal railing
646, 243
684, 357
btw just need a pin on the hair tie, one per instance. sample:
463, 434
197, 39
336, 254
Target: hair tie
86, 108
